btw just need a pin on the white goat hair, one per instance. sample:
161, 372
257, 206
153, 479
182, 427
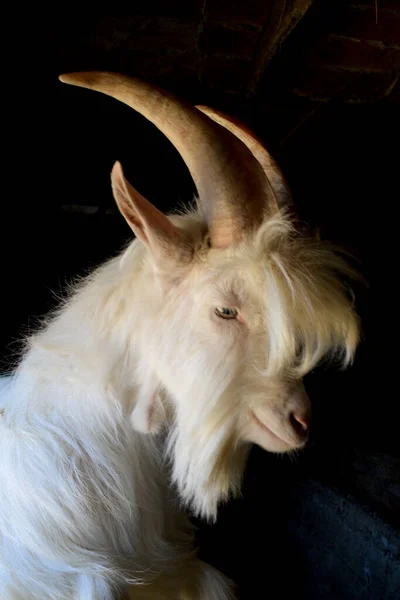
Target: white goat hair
140, 397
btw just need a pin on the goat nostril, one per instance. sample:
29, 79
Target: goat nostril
299, 423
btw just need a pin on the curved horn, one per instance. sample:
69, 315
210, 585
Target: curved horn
232, 188
279, 188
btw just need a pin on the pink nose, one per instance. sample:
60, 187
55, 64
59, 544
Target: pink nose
300, 423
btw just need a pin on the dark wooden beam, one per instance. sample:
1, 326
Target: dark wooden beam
282, 19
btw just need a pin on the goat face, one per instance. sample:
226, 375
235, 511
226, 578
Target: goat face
231, 335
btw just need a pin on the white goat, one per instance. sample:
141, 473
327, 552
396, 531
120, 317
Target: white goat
140, 397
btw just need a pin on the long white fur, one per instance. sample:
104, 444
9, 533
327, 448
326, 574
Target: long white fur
90, 502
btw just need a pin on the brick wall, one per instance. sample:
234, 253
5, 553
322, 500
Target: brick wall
358, 59
217, 44
320, 49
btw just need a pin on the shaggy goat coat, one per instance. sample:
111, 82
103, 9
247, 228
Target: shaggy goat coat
140, 397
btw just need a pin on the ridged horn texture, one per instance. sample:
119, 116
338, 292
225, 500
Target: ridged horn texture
280, 191
232, 187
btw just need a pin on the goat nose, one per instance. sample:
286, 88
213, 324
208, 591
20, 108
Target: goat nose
300, 423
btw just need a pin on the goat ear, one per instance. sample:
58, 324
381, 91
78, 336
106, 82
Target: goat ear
146, 221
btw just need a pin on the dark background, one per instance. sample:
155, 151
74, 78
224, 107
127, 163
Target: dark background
318, 81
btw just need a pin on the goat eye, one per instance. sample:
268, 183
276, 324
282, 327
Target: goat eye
226, 313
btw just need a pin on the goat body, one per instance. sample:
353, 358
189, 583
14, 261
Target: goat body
140, 396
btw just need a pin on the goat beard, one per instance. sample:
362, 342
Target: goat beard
207, 459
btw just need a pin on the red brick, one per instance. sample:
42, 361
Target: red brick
226, 73
183, 66
167, 8
361, 24
147, 35
252, 12
382, 4
351, 86
367, 87
233, 41
321, 83
343, 53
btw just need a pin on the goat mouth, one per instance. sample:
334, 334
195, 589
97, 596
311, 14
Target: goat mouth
266, 428
291, 443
